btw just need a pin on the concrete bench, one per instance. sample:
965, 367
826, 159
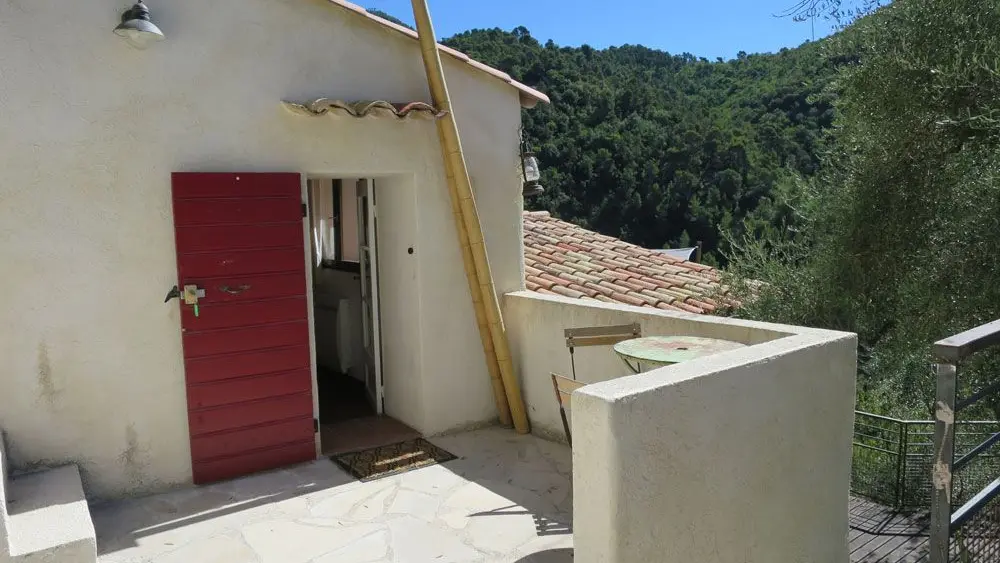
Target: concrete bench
44, 516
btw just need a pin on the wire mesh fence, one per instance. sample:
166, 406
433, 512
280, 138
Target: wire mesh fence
978, 539
892, 460
879, 449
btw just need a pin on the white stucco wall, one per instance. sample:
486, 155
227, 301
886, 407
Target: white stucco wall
741, 457
90, 130
535, 325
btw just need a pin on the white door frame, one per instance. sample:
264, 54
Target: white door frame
368, 240
307, 235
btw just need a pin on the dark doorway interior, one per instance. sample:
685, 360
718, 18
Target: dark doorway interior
349, 421
341, 397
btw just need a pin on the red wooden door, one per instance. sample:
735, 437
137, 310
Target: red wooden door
246, 352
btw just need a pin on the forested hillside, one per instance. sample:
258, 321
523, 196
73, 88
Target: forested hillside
664, 150
886, 226
897, 238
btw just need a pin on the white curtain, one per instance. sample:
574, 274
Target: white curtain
323, 235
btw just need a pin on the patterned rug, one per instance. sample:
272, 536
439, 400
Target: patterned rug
383, 461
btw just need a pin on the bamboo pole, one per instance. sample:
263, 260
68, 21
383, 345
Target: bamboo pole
460, 189
499, 394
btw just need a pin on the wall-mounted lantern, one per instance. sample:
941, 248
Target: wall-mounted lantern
532, 174
137, 28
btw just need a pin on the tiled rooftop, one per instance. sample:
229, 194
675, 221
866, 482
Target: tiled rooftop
564, 259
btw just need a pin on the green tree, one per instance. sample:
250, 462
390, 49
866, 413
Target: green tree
897, 238
842, 11
389, 17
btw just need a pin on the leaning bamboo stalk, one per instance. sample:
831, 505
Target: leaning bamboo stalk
460, 187
499, 394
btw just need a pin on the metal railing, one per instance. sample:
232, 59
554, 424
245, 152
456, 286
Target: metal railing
970, 534
892, 459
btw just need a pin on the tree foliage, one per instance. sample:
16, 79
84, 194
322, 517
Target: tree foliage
897, 238
841, 11
664, 150
389, 17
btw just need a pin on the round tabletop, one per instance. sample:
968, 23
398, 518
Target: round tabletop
666, 350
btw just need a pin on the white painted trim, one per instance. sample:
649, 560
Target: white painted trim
376, 310
307, 256
370, 327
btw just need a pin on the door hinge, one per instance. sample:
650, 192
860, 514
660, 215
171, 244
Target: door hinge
315, 425
305, 210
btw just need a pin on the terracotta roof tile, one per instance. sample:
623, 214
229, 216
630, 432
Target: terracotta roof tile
567, 291
589, 278
538, 282
704, 306
688, 308
554, 280
661, 295
584, 290
562, 258
615, 287
599, 288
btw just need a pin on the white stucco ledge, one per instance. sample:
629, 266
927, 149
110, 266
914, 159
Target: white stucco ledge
49, 520
740, 457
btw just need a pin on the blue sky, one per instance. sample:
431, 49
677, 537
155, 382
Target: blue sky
707, 28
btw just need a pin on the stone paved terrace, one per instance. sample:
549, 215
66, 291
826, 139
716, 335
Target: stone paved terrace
506, 499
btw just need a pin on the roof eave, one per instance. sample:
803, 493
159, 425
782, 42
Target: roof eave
529, 97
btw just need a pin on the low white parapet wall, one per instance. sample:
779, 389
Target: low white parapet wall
535, 325
740, 457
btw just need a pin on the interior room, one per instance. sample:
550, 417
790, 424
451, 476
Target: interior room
346, 317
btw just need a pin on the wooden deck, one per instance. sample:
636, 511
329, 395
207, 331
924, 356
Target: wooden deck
883, 535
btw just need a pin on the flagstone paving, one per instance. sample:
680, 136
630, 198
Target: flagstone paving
507, 499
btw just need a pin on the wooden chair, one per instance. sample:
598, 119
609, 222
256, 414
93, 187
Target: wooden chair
586, 336
564, 388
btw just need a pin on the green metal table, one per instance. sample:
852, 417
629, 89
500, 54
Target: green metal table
659, 351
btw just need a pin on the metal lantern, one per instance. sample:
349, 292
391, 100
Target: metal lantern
137, 28
532, 173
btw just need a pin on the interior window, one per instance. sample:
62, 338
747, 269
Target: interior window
335, 223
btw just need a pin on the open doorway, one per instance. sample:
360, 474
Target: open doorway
343, 228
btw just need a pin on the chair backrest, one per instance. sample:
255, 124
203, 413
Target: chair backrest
598, 336
601, 335
564, 388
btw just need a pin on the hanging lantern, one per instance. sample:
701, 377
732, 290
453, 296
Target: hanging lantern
531, 172
137, 28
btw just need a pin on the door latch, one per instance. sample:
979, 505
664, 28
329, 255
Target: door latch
174, 293
192, 293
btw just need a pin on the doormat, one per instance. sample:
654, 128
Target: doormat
384, 461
